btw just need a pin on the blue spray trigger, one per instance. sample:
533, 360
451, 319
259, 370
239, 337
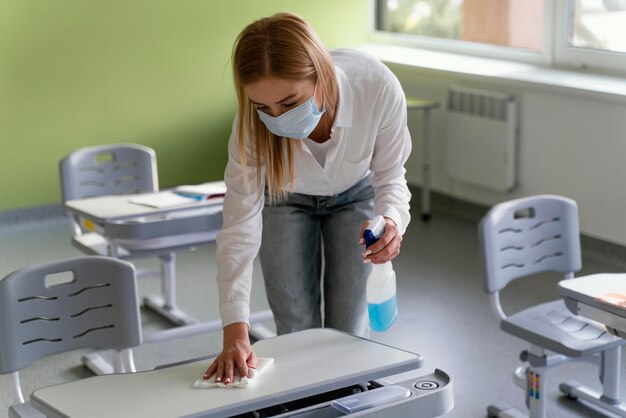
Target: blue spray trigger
375, 229
369, 237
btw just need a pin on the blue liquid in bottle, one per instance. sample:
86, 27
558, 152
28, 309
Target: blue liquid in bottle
382, 315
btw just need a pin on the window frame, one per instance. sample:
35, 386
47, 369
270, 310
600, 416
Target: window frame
581, 58
555, 49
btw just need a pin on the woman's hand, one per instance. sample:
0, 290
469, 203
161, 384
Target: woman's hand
386, 248
237, 353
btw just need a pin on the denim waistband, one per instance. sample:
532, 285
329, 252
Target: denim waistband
361, 191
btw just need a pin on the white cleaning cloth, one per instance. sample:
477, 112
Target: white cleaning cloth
238, 381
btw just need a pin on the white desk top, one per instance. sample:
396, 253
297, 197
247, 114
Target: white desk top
601, 297
601, 291
306, 363
103, 208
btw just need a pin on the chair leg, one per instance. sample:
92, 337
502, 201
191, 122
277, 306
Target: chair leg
535, 392
118, 362
16, 388
129, 361
531, 378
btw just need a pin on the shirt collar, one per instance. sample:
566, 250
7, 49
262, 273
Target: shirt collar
343, 117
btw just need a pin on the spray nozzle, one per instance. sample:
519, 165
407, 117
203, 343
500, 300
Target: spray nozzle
375, 229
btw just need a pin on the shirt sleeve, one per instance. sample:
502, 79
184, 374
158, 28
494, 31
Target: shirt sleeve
391, 151
240, 238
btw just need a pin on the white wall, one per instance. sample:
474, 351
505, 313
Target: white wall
569, 144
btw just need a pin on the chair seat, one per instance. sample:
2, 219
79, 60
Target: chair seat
552, 326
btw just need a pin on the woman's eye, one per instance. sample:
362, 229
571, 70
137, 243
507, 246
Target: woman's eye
289, 104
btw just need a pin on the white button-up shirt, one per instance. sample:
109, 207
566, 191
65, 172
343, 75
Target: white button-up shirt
369, 135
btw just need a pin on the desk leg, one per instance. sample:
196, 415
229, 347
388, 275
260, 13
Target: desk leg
426, 168
166, 305
610, 397
168, 285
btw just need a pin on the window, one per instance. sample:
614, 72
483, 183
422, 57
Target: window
483, 21
591, 34
580, 33
441, 19
598, 25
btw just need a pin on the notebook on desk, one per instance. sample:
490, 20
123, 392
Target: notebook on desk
211, 192
162, 200
204, 190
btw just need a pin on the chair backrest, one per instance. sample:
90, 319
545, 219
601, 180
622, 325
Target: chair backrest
108, 170
88, 302
530, 235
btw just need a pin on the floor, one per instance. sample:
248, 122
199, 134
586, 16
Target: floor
443, 313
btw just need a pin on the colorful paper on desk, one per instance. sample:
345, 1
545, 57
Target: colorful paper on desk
207, 190
162, 200
238, 382
614, 298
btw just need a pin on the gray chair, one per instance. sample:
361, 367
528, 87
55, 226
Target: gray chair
88, 302
525, 237
101, 171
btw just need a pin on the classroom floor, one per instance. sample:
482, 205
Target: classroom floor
443, 313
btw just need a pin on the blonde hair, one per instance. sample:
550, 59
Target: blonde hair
281, 46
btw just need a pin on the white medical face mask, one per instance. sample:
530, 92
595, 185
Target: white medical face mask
297, 123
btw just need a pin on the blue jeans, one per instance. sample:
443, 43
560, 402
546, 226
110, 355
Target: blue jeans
307, 238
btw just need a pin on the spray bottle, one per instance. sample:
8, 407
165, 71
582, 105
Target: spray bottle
381, 284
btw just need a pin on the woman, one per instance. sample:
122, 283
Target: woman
317, 149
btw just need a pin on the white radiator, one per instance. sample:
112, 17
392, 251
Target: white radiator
482, 137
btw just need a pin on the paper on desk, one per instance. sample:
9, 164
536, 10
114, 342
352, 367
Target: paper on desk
212, 188
238, 382
162, 200
615, 298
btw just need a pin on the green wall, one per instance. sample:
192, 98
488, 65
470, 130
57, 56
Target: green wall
75, 73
